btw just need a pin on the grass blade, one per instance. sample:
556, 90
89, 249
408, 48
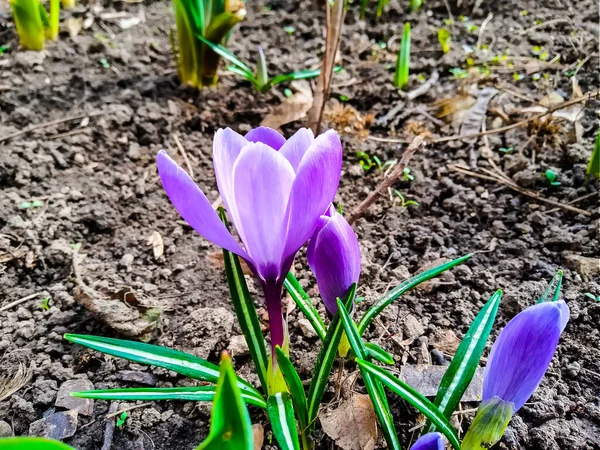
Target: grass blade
325, 361
154, 355
302, 300
403, 287
593, 167
230, 426
403, 61
294, 383
552, 291
374, 389
281, 415
300, 75
460, 372
194, 393
363, 8
227, 55
246, 311
413, 397
376, 352
32, 443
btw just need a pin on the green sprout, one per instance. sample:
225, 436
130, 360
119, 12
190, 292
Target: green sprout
406, 175
289, 29
536, 76
121, 419
444, 39
415, 4
403, 201
459, 73
288, 92
592, 296
506, 150
380, 5
343, 98
45, 305
524, 13
260, 79
32, 204
593, 167
518, 76
3, 48
367, 162
551, 177
198, 22
403, 61
34, 23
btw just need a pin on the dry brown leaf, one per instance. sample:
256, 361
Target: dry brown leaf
217, 260
346, 119
292, 108
156, 241
446, 341
353, 425
15, 372
453, 109
259, 435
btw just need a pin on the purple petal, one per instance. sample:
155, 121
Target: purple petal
296, 146
334, 258
193, 205
522, 352
226, 148
267, 136
564, 314
314, 188
429, 441
262, 181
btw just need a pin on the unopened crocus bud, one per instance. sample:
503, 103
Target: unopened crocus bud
516, 365
429, 441
334, 257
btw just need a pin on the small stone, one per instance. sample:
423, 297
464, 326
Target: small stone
29, 59
126, 261
438, 357
84, 406
24, 313
426, 380
573, 369
136, 376
59, 426
74, 194
238, 346
585, 266
79, 158
134, 151
412, 327
5, 429
306, 328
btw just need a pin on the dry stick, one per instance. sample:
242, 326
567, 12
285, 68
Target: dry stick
116, 413
388, 182
499, 179
185, 156
21, 300
53, 122
572, 202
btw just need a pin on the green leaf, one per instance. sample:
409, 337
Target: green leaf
413, 397
32, 443
444, 38
294, 383
374, 388
154, 355
460, 372
230, 426
121, 419
552, 291
325, 360
376, 352
403, 287
247, 76
303, 302
593, 167
300, 75
403, 61
227, 55
281, 415
192, 393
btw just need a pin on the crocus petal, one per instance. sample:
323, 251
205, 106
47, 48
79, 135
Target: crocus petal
429, 441
564, 314
522, 352
193, 205
489, 425
262, 180
314, 188
295, 147
334, 258
226, 148
267, 136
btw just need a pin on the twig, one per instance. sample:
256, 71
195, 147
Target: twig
67, 133
482, 30
185, 156
21, 300
435, 76
109, 428
572, 202
532, 194
116, 413
53, 122
382, 189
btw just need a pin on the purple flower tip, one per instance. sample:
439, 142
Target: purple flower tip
429, 441
523, 351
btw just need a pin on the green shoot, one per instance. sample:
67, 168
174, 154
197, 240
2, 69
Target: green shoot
506, 150
593, 167
52, 31
32, 204
403, 202
121, 419
403, 61
592, 296
551, 177
406, 175
459, 73
415, 4
444, 38
68, 4
45, 305
363, 8
3, 48
33, 24
260, 79
380, 5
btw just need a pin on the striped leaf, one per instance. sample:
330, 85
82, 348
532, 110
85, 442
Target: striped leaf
223, 52
379, 354
325, 360
292, 379
413, 397
246, 311
373, 386
154, 355
303, 302
460, 372
403, 287
552, 292
194, 393
32, 443
281, 415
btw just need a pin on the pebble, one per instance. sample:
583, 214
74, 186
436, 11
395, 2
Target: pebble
126, 261
84, 406
60, 425
134, 151
136, 376
437, 357
412, 327
5, 429
573, 369
79, 158
306, 328
238, 346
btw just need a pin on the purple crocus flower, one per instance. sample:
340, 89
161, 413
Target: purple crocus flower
516, 365
429, 441
274, 191
334, 257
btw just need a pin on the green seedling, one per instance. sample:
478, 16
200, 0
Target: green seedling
444, 39
551, 177
403, 61
403, 201
380, 5
289, 29
406, 175
34, 24
592, 296
415, 5
343, 98
459, 73
506, 150
3, 48
121, 419
45, 305
593, 167
32, 204
367, 162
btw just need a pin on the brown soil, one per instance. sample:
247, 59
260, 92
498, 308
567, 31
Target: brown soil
99, 188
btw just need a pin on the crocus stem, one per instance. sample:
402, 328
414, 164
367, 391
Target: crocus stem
274, 309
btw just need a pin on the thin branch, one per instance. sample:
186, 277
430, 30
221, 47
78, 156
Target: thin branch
21, 300
184, 155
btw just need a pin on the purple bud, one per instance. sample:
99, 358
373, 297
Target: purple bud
429, 441
334, 257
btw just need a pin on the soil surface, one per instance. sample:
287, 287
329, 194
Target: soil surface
97, 217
